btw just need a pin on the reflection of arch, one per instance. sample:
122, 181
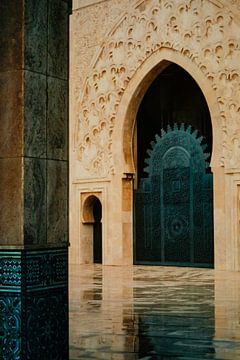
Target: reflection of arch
91, 218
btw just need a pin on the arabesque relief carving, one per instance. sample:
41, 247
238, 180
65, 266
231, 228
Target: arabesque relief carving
204, 31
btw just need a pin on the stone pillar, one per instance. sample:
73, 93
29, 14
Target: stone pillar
34, 179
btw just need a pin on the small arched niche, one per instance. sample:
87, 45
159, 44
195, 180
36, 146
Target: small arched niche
92, 220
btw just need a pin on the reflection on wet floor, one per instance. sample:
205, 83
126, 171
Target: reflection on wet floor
128, 313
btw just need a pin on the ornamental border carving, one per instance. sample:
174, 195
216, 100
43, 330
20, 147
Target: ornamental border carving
205, 32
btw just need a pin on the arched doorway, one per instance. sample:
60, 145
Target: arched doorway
92, 228
173, 212
97, 232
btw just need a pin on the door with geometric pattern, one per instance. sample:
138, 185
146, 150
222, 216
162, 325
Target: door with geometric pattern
173, 204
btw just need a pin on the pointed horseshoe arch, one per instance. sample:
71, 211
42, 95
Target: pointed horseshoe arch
137, 88
132, 99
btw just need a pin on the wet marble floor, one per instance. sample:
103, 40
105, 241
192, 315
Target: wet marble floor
159, 313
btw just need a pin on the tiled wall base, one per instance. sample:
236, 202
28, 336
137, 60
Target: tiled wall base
33, 305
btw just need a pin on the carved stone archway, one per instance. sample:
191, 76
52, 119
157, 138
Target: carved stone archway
136, 89
204, 38
128, 112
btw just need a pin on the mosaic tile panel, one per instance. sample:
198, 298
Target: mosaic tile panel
47, 325
46, 270
10, 326
34, 305
10, 271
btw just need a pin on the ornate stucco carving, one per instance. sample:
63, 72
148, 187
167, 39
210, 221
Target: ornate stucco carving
204, 31
89, 26
234, 4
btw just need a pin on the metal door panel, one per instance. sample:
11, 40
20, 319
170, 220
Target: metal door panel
173, 205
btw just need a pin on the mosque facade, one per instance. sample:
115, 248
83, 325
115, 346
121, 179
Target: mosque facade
118, 51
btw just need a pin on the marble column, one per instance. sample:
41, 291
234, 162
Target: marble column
34, 179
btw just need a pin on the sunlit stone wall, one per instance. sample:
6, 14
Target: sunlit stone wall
117, 49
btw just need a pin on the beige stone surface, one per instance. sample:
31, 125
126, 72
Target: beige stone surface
11, 114
117, 49
137, 312
12, 207
79, 4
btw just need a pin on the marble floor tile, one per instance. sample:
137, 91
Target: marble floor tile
158, 313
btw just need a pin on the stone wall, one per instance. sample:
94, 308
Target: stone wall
34, 179
117, 50
34, 126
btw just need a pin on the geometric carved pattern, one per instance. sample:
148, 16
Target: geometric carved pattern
10, 326
176, 147
176, 200
38, 269
10, 270
46, 269
47, 324
206, 33
34, 326
34, 304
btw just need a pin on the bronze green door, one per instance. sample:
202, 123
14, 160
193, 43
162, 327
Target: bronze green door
173, 204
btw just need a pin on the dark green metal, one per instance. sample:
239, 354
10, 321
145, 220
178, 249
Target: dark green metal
173, 205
